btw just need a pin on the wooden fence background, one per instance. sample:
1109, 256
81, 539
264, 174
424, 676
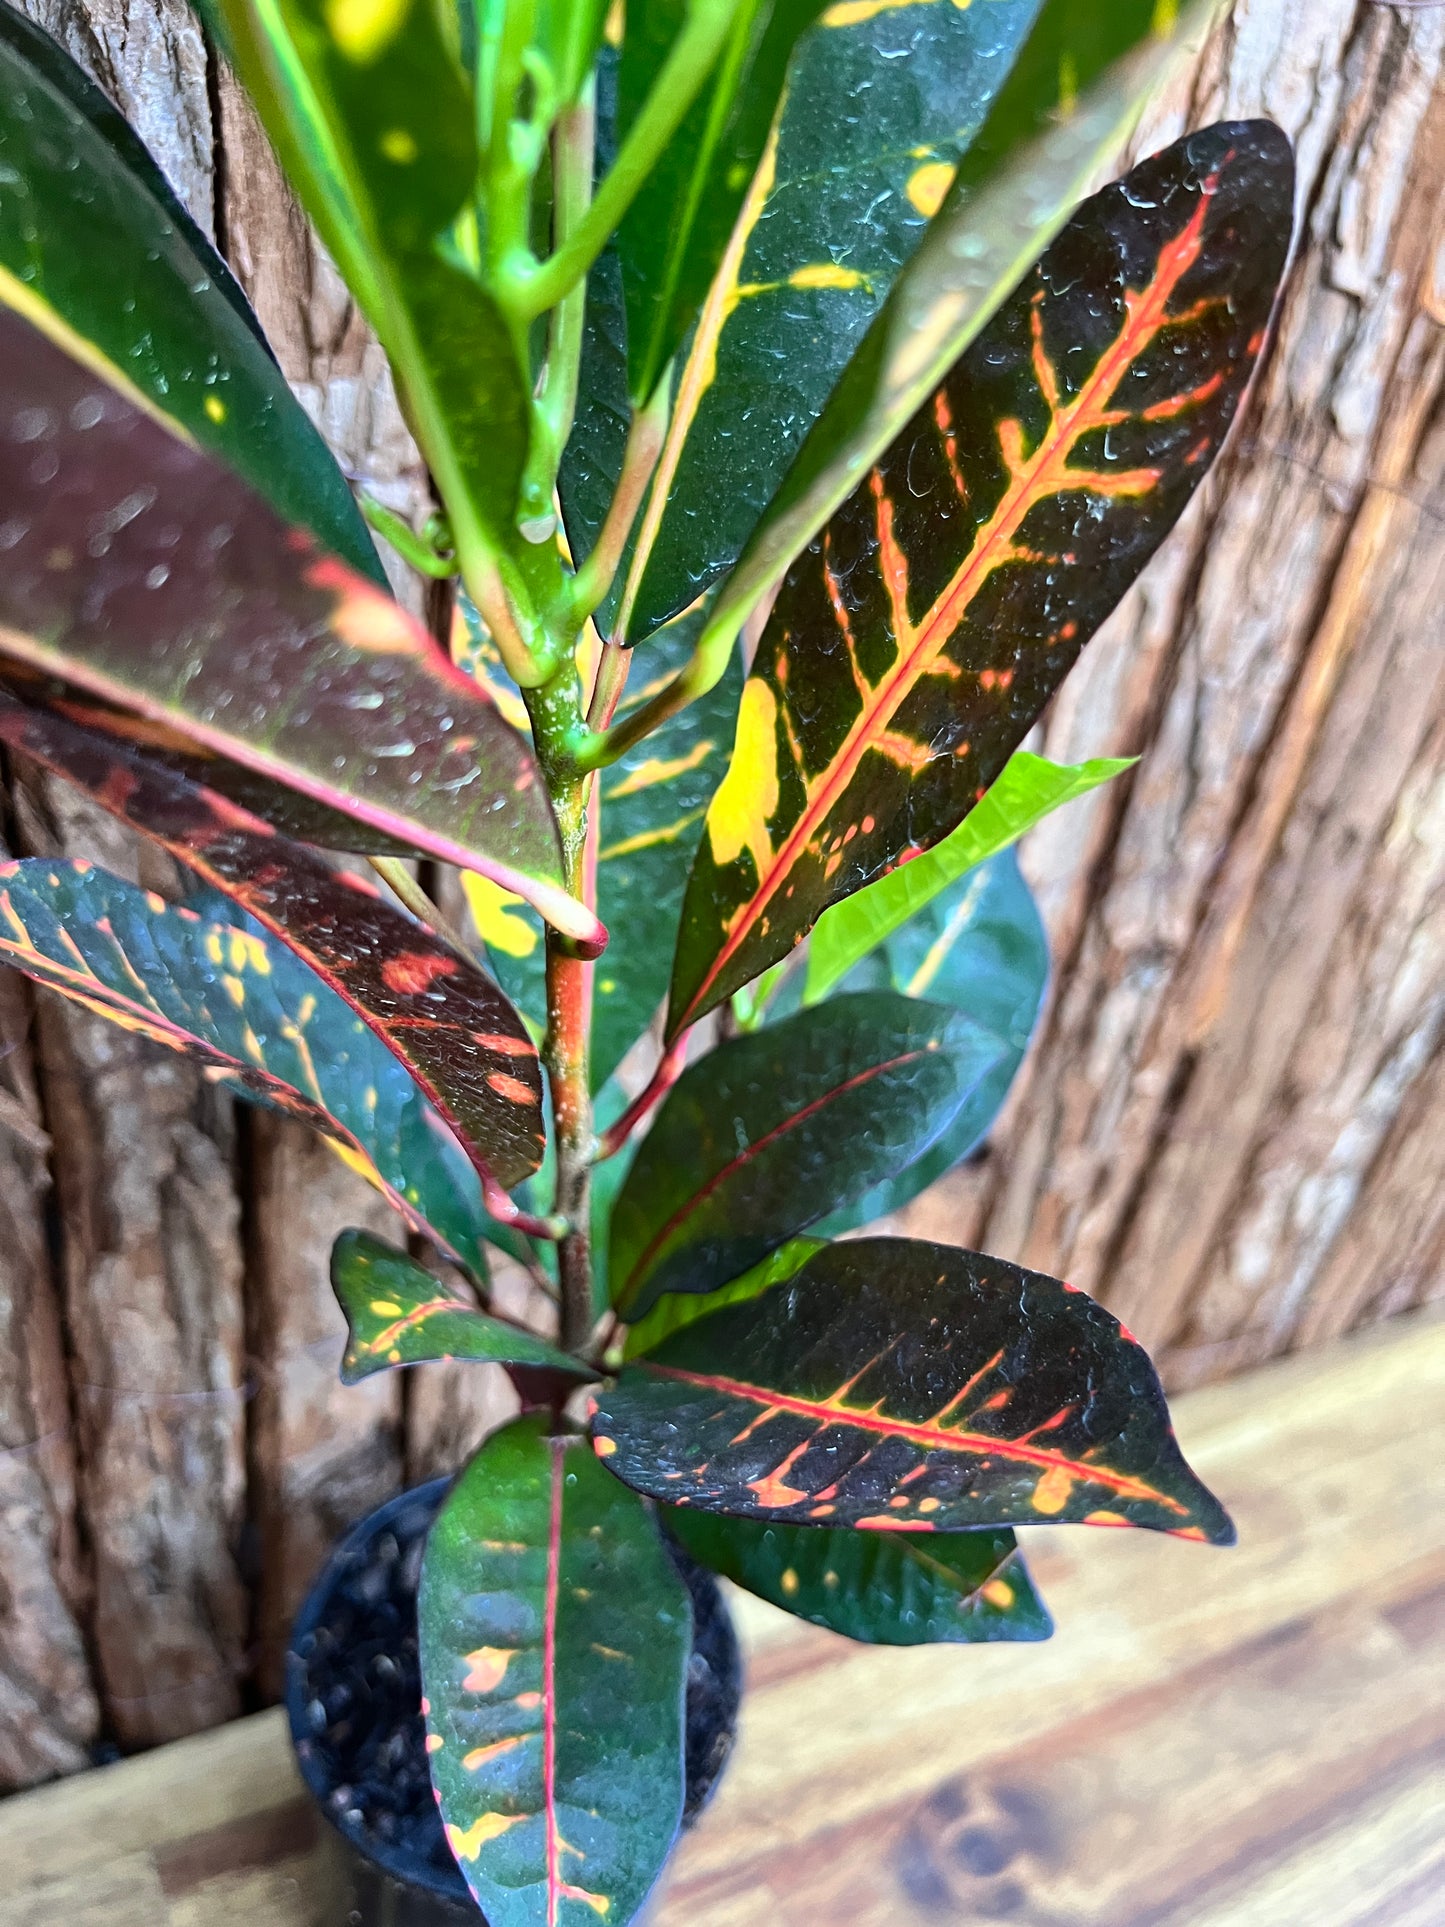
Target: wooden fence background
1231, 1126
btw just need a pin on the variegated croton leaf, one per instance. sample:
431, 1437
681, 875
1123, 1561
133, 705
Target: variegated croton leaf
907, 1387
221, 990
442, 1017
887, 1589
398, 1313
917, 639
555, 1635
139, 569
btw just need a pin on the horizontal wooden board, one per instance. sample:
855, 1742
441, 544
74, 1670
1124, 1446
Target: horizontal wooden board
1252, 1738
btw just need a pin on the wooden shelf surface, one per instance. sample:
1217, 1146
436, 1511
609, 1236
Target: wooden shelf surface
1252, 1738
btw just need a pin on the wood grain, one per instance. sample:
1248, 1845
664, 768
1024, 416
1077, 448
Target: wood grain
1253, 1738
1231, 1127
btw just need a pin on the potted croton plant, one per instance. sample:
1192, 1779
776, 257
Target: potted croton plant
792, 429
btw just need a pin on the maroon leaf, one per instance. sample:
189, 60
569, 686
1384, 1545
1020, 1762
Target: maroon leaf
141, 570
441, 1016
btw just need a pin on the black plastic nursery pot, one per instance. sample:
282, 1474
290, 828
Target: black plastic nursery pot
353, 1696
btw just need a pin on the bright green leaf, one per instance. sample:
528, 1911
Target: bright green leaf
1029, 789
675, 1309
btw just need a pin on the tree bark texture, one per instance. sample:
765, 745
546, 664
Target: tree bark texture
1230, 1126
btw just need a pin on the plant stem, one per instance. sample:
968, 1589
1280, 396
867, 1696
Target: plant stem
556, 712
677, 85
668, 1071
639, 459
405, 888
594, 749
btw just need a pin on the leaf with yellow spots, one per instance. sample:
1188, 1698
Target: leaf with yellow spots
437, 1012
398, 1313
825, 230
552, 1619
771, 1131
677, 228
374, 118
165, 315
885, 1588
196, 605
203, 979
898, 1386
1064, 105
916, 641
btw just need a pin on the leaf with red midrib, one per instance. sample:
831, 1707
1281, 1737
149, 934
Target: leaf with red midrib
907, 1387
551, 1620
916, 641
147, 575
225, 992
441, 1016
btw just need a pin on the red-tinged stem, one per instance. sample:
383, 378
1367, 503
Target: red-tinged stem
663, 1079
607, 689
500, 1205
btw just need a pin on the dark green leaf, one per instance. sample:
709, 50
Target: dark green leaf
398, 1313
675, 1309
139, 569
96, 250
375, 122
915, 642
887, 1589
1029, 789
436, 1012
674, 234
907, 1387
555, 1636
771, 1131
218, 988
1073, 96
880, 104
979, 948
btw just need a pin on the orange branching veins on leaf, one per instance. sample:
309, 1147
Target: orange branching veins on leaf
918, 637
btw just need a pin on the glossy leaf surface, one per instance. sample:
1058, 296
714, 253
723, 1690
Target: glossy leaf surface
676, 1309
375, 121
653, 801
769, 1132
398, 1313
907, 1387
1029, 789
887, 1589
96, 250
913, 645
442, 1017
675, 233
182, 598
980, 948
1072, 97
880, 104
555, 1636
219, 989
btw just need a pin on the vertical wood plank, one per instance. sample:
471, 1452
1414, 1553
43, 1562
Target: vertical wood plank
49, 1714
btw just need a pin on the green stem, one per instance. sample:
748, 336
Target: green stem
556, 718
410, 546
639, 459
595, 749
677, 85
